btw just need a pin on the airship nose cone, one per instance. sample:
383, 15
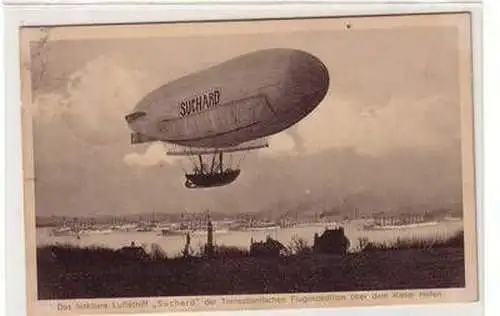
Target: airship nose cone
306, 86
310, 76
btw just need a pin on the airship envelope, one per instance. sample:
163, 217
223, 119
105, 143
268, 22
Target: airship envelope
244, 99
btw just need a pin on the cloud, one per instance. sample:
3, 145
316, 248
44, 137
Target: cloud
100, 95
154, 155
428, 122
280, 144
47, 107
96, 98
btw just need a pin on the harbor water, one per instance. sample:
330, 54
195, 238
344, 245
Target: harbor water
173, 245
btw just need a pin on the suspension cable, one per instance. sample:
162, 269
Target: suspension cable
212, 167
242, 158
193, 161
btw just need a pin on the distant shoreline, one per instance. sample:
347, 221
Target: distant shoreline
334, 215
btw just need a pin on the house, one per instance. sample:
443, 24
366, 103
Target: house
269, 248
133, 252
332, 241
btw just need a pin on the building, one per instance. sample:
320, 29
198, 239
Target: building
332, 241
268, 248
133, 252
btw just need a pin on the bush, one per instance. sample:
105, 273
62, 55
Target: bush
157, 253
455, 241
298, 246
222, 251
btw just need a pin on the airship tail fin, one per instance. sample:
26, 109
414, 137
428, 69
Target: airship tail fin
177, 150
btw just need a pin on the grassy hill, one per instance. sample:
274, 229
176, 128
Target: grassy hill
66, 272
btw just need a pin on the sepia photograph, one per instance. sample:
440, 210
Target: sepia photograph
249, 164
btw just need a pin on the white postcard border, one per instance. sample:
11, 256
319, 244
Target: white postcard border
26, 16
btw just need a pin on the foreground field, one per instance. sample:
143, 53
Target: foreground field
89, 277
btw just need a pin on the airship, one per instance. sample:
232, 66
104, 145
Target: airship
230, 107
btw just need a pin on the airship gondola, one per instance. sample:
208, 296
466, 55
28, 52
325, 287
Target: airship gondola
230, 107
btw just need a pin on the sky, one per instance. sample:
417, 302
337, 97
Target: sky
386, 136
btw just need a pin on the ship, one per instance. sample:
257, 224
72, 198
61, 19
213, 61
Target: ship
175, 232
63, 231
398, 223
255, 226
264, 226
194, 227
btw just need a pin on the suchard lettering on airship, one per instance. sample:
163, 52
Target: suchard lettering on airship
199, 103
